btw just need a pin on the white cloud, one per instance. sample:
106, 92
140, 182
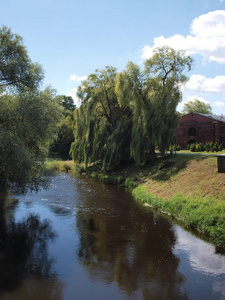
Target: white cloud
77, 78
202, 256
207, 38
200, 83
219, 103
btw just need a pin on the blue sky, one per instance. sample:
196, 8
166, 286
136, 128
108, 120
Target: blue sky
72, 38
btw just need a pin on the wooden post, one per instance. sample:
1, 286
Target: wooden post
221, 163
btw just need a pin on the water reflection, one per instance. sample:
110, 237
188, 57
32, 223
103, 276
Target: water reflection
24, 252
130, 247
107, 247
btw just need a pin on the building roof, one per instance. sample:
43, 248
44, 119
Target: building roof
220, 118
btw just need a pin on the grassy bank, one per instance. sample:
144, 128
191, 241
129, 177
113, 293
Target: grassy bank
188, 188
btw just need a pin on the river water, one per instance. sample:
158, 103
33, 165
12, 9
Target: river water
81, 239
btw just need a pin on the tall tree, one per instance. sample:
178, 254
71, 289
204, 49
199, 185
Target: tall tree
104, 121
28, 116
152, 95
28, 122
197, 106
16, 68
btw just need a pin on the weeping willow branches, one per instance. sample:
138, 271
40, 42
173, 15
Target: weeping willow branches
125, 116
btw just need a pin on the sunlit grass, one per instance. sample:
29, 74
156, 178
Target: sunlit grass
205, 215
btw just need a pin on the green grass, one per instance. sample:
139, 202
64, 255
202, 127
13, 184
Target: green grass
204, 215
187, 187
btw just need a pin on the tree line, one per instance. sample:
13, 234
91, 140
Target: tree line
125, 115
28, 116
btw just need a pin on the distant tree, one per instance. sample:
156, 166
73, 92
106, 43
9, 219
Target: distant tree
60, 147
197, 106
16, 68
66, 101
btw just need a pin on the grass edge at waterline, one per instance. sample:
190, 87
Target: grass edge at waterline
204, 215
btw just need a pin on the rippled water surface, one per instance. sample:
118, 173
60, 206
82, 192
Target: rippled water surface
81, 239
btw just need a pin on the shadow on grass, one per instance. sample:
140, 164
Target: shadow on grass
168, 166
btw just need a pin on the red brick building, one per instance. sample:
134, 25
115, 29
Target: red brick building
201, 128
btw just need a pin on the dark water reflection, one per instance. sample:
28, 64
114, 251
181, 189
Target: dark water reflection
84, 240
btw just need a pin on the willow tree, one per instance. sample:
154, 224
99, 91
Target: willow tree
153, 95
105, 121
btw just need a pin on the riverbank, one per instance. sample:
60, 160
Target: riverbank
188, 188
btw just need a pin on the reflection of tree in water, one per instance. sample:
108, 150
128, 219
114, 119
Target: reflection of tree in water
134, 251
24, 253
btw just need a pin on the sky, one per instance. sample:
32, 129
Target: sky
73, 38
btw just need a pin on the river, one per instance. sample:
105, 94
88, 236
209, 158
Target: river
82, 239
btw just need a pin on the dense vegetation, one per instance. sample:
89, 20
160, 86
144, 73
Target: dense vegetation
197, 106
28, 116
125, 115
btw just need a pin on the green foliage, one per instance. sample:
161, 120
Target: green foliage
130, 184
67, 102
216, 147
207, 147
197, 106
132, 111
152, 95
211, 144
60, 147
204, 215
102, 127
193, 147
202, 147
198, 148
27, 123
16, 69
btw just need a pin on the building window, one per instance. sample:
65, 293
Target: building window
192, 131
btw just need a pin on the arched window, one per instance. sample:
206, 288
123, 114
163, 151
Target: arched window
192, 131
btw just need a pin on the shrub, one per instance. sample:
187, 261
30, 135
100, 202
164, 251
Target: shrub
207, 147
220, 147
216, 147
211, 146
178, 148
188, 147
66, 167
197, 148
202, 147
193, 147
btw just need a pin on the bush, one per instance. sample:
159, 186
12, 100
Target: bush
66, 167
193, 147
202, 147
216, 147
178, 148
220, 147
198, 148
211, 146
188, 147
207, 147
